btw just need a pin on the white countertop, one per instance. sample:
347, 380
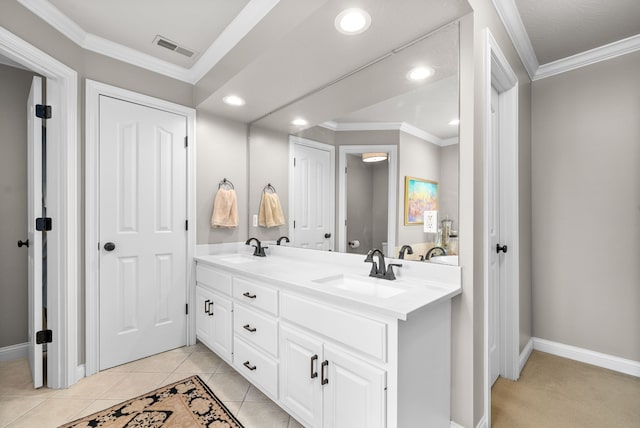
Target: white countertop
341, 278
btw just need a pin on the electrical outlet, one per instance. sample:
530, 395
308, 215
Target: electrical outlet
431, 221
255, 220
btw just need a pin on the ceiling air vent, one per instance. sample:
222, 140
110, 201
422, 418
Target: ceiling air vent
172, 46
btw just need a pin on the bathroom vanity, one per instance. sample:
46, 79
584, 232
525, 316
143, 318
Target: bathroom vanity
331, 345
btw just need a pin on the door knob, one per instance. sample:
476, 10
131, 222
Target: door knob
327, 235
25, 243
499, 248
109, 246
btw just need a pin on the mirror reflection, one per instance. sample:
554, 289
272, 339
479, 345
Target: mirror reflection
341, 170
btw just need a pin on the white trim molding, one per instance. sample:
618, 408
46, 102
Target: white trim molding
592, 56
525, 354
62, 200
243, 23
390, 126
92, 224
599, 359
14, 352
510, 16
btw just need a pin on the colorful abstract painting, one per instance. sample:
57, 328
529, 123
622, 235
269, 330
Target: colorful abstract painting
419, 196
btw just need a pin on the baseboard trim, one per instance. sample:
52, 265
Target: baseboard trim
455, 425
80, 372
14, 352
599, 359
483, 423
524, 355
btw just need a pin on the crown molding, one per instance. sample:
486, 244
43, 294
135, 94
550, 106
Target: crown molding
508, 12
602, 53
389, 126
248, 17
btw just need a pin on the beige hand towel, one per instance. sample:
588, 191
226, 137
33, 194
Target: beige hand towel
270, 214
225, 209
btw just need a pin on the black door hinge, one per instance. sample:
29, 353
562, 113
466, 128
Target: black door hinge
43, 223
186, 224
186, 141
186, 309
43, 112
44, 336
294, 224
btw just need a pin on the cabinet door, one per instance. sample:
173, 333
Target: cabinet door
354, 392
300, 389
222, 326
203, 317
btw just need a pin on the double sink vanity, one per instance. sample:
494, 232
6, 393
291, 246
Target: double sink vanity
331, 345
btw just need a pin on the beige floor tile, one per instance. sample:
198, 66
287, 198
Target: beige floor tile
233, 406
225, 368
176, 377
92, 386
254, 394
134, 384
200, 362
198, 347
261, 415
294, 424
228, 386
11, 408
51, 413
166, 362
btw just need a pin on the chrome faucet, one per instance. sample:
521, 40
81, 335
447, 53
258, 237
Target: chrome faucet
380, 270
429, 254
404, 248
259, 249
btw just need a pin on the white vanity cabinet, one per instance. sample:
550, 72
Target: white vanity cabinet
323, 385
214, 314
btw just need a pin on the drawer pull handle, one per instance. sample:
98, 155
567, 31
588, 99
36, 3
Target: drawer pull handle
248, 365
314, 374
249, 328
249, 295
325, 380
207, 307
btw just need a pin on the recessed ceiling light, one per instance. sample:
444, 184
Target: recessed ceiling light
299, 122
233, 100
455, 121
419, 73
353, 21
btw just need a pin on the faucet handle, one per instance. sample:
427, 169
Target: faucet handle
389, 273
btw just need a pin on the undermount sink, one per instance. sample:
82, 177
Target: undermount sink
373, 287
238, 258
445, 260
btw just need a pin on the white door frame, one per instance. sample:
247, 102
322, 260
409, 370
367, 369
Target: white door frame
92, 225
62, 205
393, 186
293, 140
499, 74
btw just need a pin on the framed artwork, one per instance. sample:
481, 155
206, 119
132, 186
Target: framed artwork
419, 196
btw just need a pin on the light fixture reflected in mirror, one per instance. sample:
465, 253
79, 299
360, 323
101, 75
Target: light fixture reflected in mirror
374, 157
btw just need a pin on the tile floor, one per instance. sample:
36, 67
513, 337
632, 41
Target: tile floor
23, 406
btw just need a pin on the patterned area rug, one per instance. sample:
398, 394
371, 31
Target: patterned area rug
188, 403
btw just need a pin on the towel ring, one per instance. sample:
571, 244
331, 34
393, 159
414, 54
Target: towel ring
269, 187
225, 182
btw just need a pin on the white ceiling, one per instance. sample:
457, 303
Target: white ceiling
280, 54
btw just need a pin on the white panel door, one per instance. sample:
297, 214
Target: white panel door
34, 210
493, 168
143, 235
313, 201
300, 388
354, 391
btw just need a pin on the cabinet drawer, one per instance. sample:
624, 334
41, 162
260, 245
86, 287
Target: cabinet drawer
213, 278
362, 334
256, 295
257, 329
256, 366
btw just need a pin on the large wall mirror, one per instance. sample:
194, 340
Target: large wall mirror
370, 152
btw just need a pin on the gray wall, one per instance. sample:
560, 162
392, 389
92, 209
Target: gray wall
448, 186
380, 203
221, 153
359, 203
586, 207
14, 90
420, 159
